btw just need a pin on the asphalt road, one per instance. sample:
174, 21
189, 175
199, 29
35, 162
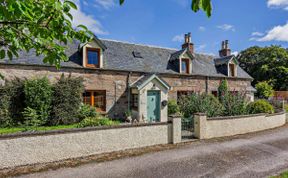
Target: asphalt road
254, 155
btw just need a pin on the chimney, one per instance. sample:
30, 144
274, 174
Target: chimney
225, 50
187, 43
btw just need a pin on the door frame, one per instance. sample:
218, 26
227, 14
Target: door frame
159, 105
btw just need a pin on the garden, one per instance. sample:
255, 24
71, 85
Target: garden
37, 104
227, 103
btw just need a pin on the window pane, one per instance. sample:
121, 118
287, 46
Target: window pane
100, 100
87, 98
93, 57
134, 100
184, 66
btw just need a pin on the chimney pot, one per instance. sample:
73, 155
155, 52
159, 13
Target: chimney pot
225, 50
187, 43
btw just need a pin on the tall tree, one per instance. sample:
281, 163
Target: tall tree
266, 64
40, 25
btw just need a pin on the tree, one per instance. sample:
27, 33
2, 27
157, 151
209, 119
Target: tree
40, 25
266, 64
264, 90
196, 5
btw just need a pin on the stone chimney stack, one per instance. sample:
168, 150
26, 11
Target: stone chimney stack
225, 50
187, 43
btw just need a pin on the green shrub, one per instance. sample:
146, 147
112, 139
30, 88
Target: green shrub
11, 102
203, 103
260, 106
234, 104
173, 107
222, 90
96, 121
31, 118
38, 96
86, 111
286, 107
264, 90
67, 99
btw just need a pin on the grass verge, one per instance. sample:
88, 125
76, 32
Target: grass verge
31, 129
282, 175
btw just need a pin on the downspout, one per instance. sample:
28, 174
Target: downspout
128, 92
207, 84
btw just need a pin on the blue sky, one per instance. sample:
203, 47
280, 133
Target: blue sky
244, 23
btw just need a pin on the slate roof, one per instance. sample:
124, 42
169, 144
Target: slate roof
138, 83
119, 56
223, 60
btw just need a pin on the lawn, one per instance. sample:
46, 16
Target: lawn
282, 175
42, 128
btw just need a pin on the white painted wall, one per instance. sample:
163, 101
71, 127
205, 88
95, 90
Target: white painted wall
228, 126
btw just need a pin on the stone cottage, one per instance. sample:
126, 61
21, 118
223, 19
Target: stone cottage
120, 76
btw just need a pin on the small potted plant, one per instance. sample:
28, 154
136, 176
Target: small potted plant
128, 116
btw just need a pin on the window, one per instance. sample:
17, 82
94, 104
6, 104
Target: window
185, 66
134, 101
232, 70
181, 94
215, 93
95, 98
92, 57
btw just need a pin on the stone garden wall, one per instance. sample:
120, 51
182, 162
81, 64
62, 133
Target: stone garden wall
228, 126
42, 147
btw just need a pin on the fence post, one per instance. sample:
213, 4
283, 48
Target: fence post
200, 121
176, 128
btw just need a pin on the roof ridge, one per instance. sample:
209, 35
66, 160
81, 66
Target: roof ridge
138, 44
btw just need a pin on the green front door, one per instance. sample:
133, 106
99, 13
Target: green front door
153, 106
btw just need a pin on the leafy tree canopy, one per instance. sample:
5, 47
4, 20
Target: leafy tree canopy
40, 25
266, 64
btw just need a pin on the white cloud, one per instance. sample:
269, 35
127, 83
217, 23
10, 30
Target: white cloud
202, 29
178, 38
235, 53
80, 17
278, 4
226, 27
200, 47
106, 4
85, 3
257, 34
277, 33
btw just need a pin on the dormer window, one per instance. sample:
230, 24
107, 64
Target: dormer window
93, 57
185, 66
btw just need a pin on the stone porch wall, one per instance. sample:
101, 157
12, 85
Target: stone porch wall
115, 82
42, 147
228, 126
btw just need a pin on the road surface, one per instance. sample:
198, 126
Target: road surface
254, 155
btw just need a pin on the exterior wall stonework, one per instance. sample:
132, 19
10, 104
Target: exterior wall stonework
115, 82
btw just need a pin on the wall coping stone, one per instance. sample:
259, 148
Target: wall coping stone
75, 130
200, 114
243, 116
275, 114
176, 115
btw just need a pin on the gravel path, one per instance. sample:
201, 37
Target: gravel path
254, 155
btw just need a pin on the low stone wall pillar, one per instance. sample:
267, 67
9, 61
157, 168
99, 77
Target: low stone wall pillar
200, 121
176, 128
